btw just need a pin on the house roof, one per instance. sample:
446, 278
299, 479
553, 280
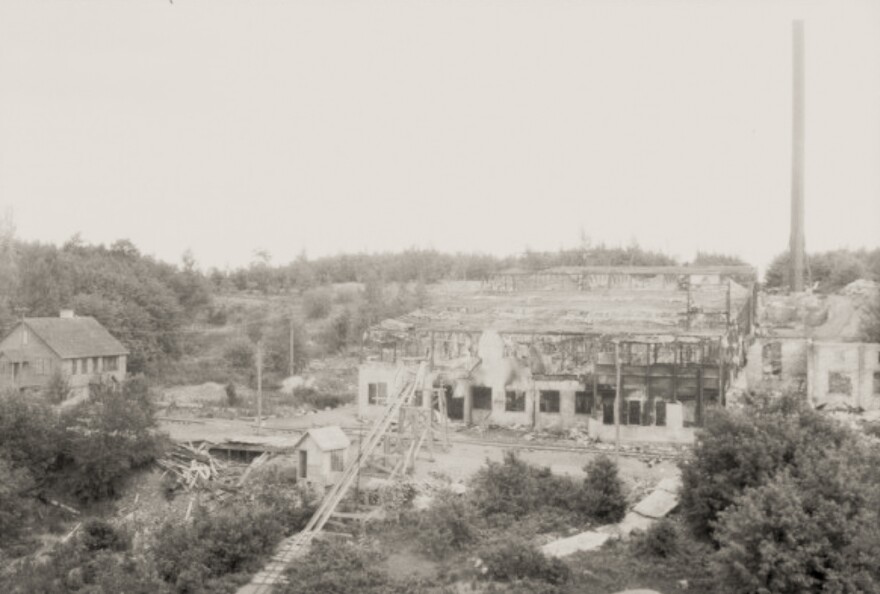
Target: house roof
75, 337
327, 438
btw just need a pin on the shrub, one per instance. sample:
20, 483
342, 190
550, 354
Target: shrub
338, 568
232, 540
811, 528
105, 438
601, 497
231, 395
15, 506
513, 488
57, 389
517, 559
737, 450
660, 540
30, 433
447, 526
320, 400
71, 567
239, 354
99, 535
317, 303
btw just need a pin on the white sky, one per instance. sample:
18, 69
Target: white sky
474, 125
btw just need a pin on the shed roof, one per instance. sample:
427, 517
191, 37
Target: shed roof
327, 438
75, 337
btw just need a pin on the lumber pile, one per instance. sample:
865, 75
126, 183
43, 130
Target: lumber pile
192, 466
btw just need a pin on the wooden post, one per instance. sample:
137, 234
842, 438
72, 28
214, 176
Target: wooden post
688, 315
617, 398
728, 305
291, 366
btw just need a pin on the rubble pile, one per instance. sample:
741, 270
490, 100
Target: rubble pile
191, 466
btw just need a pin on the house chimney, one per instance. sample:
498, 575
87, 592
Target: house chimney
67, 313
797, 243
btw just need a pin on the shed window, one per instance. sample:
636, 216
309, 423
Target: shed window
336, 464
377, 393
111, 363
549, 401
514, 401
482, 398
583, 403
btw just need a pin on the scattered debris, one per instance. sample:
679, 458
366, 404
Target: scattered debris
191, 465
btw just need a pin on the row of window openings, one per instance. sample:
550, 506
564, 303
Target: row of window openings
81, 366
44, 366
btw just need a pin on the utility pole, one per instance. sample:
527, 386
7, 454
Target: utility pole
291, 366
797, 242
617, 397
259, 385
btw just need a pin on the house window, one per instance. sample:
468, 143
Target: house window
839, 383
73, 366
84, 364
482, 398
336, 464
111, 363
24, 336
549, 401
377, 393
583, 403
877, 382
95, 364
514, 401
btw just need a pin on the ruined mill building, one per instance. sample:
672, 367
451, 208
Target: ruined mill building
642, 351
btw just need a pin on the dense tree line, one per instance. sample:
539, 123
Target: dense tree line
830, 271
140, 300
424, 265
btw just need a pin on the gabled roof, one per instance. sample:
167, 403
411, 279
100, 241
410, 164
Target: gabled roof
327, 438
75, 337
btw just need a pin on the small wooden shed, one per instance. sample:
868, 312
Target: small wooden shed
322, 453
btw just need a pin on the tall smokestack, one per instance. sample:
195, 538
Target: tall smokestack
797, 243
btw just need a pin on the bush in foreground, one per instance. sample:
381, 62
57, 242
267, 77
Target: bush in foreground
234, 540
448, 526
518, 559
514, 488
602, 498
341, 568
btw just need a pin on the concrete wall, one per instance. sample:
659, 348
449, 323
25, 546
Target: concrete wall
372, 372
758, 371
843, 374
673, 432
